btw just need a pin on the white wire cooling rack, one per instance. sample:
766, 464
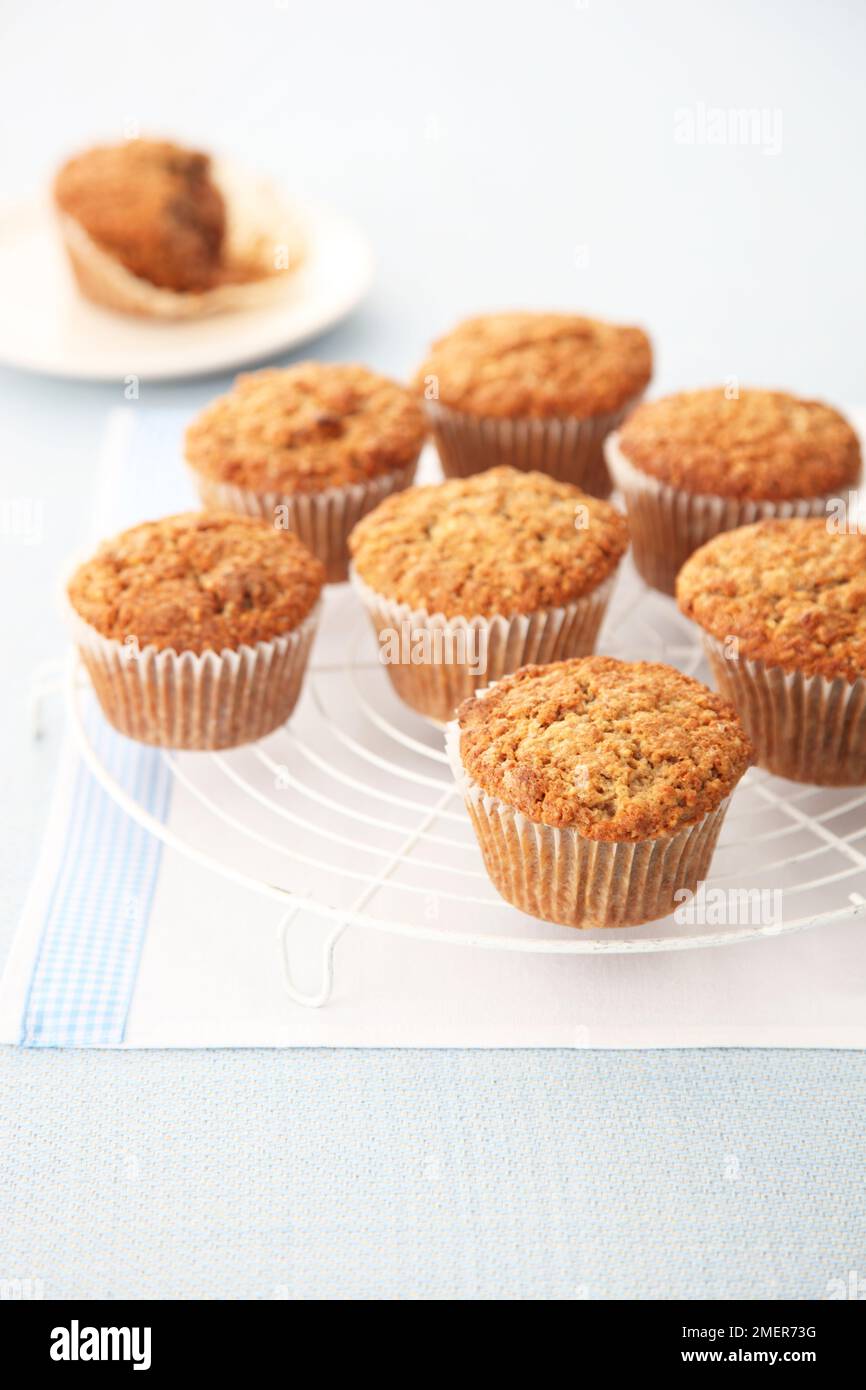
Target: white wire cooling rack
348, 817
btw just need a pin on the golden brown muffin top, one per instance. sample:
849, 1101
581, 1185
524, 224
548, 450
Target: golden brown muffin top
537, 365
305, 428
152, 206
791, 592
758, 445
498, 542
198, 582
618, 750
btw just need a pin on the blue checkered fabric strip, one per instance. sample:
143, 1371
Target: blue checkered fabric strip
85, 970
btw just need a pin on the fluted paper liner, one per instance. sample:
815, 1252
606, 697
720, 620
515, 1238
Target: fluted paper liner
667, 524
807, 728
192, 700
565, 448
258, 226
322, 520
566, 878
436, 688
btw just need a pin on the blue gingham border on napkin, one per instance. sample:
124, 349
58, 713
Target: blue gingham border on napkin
84, 973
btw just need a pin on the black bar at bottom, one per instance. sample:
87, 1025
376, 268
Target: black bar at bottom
147, 1337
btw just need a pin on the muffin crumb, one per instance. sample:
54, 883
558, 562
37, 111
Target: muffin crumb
306, 428
197, 582
619, 751
537, 366
500, 542
791, 592
153, 206
758, 445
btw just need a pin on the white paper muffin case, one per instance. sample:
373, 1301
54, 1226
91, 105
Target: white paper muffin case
566, 878
322, 520
807, 728
436, 688
667, 524
196, 701
568, 449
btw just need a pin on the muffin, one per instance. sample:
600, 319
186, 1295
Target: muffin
312, 448
153, 229
533, 391
196, 629
469, 579
597, 788
782, 608
701, 462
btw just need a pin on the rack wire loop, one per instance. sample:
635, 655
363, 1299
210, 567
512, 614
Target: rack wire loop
314, 999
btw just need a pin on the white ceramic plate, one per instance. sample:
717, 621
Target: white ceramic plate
47, 326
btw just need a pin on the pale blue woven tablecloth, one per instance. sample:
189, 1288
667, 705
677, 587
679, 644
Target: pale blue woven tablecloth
449, 1174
